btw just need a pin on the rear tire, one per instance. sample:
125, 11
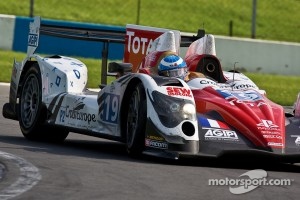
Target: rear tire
136, 121
32, 113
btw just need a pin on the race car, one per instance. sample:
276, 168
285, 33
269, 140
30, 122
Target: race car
213, 115
49, 98
234, 115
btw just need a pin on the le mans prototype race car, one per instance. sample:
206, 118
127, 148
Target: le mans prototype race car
217, 114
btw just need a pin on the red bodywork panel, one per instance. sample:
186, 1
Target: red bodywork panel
260, 121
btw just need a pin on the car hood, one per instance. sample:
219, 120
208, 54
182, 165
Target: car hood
247, 111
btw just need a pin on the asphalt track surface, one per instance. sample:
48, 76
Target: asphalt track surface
91, 168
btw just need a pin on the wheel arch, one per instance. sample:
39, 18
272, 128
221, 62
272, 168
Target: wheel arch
20, 83
130, 86
26, 67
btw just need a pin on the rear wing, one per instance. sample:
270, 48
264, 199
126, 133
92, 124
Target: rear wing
106, 37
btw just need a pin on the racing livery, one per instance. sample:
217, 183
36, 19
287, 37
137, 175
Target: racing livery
216, 114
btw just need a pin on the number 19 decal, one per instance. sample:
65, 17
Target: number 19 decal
110, 107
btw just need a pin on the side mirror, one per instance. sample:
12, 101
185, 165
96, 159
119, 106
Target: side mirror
118, 69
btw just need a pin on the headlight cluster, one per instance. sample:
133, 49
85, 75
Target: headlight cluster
172, 111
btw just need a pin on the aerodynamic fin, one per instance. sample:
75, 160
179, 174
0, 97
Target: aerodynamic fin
204, 45
33, 36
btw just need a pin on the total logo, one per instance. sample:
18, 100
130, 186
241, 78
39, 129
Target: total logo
138, 44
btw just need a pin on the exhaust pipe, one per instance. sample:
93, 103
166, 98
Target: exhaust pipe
210, 67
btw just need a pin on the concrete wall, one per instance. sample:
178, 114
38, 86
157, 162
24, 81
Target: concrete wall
7, 26
251, 55
258, 55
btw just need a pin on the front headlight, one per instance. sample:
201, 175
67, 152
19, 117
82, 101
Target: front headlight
189, 111
172, 111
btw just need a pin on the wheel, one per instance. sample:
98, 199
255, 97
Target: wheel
136, 121
32, 114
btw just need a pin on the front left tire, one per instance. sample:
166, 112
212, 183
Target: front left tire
136, 121
32, 113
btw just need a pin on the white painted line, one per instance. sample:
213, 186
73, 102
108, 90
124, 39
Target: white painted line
94, 89
29, 177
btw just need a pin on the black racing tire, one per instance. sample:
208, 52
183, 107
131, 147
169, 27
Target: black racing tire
32, 113
136, 121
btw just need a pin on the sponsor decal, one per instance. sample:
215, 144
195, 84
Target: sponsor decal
57, 82
76, 114
270, 132
207, 82
77, 73
139, 41
137, 44
273, 136
275, 144
53, 70
241, 96
257, 104
153, 137
212, 123
219, 134
109, 108
156, 144
297, 140
179, 91
242, 86
33, 40
76, 64
268, 125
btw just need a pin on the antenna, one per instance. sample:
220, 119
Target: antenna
204, 48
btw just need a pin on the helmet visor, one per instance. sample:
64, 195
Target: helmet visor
180, 72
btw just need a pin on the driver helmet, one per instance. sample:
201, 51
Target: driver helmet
172, 66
